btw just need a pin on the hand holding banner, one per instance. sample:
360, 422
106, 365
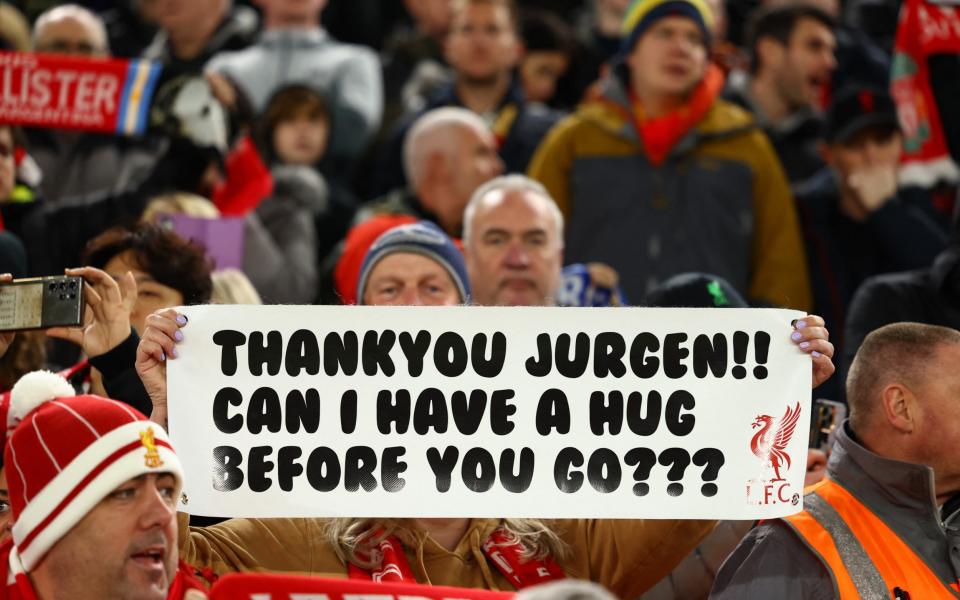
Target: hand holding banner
287, 411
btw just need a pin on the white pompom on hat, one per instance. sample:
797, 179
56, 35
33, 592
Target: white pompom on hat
32, 390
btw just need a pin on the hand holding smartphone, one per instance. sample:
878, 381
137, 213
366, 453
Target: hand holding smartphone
41, 303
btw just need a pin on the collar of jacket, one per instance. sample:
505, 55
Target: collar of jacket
414, 204
898, 492
238, 21
946, 268
446, 95
804, 119
299, 38
610, 109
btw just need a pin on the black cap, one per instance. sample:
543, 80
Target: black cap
695, 290
854, 109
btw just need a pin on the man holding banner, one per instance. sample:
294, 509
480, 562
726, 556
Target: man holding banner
530, 524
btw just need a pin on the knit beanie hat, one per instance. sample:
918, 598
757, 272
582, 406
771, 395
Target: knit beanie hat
422, 238
644, 13
346, 274
66, 453
695, 290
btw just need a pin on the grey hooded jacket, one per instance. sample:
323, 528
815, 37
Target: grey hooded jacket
347, 76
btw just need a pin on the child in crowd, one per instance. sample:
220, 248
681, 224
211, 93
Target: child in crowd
295, 127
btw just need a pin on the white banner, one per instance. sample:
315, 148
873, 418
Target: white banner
323, 411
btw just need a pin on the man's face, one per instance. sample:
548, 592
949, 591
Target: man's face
539, 72
151, 294
939, 429
407, 279
805, 65
670, 58
7, 166
476, 162
482, 45
125, 548
873, 147
72, 36
181, 15
514, 253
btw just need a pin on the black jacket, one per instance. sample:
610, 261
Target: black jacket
930, 295
796, 139
842, 253
120, 379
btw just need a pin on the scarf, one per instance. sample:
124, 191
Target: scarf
924, 29
660, 134
505, 555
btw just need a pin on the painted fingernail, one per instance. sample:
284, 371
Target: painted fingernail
801, 324
804, 345
815, 354
796, 335
163, 357
178, 335
181, 320
174, 353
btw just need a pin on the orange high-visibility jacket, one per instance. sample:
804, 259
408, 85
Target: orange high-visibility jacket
866, 559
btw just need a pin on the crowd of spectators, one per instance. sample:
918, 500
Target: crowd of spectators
703, 153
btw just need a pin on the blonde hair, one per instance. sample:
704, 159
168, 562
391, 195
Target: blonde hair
180, 203
353, 539
231, 286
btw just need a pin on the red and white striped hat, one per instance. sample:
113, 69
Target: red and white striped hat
65, 453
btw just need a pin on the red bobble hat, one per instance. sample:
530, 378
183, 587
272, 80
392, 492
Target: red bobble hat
65, 453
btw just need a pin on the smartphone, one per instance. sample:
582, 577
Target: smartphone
827, 416
41, 303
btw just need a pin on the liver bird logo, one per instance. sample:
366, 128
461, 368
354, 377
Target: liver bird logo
769, 444
152, 457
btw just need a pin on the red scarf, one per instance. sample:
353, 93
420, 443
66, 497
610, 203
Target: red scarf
660, 134
924, 29
505, 555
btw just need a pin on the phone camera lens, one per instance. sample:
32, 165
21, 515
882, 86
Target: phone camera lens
72, 284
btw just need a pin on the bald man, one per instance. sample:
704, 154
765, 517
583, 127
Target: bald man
513, 241
70, 29
448, 154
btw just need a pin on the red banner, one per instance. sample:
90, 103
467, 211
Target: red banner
251, 586
67, 92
